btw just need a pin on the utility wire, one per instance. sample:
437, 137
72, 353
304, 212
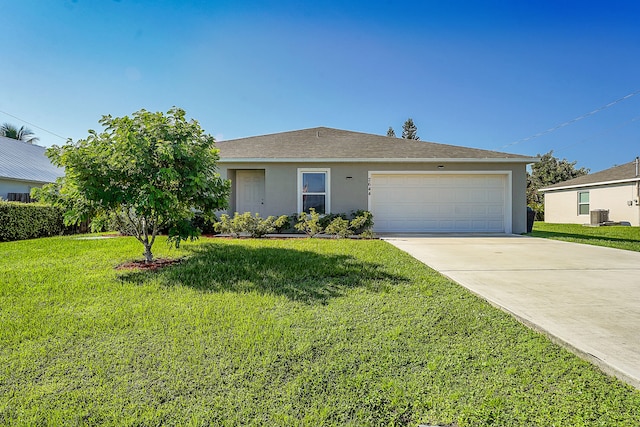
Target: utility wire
567, 123
604, 132
35, 126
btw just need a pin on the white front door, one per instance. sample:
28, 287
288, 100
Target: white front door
250, 191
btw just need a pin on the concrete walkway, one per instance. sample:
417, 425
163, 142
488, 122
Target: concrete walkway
584, 297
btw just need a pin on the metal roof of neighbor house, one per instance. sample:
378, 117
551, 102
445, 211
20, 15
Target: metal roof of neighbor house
26, 162
623, 173
329, 144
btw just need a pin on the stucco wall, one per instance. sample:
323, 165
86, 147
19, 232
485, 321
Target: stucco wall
349, 194
561, 206
11, 186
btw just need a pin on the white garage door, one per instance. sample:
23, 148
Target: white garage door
438, 203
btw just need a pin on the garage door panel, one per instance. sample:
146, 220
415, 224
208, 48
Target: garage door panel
432, 203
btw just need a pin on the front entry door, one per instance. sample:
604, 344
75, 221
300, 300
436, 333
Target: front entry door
250, 191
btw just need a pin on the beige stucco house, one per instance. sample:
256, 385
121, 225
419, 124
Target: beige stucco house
408, 185
616, 190
23, 166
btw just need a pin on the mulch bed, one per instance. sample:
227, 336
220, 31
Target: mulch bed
156, 264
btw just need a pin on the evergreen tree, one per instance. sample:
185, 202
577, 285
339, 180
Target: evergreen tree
391, 133
409, 130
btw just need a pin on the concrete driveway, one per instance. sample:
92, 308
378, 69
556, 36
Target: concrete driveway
584, 297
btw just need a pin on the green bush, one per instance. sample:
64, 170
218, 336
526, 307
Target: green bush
339, 228
253, 225
205, 225
362, 223
20, 221
312, 224
327, 219
309, 223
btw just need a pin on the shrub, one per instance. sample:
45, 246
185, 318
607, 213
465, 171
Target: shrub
327, 219
287, 224
253, 225
19, 221
362, 223
205, 225
259, 227
227, 225
310, 224
339, 228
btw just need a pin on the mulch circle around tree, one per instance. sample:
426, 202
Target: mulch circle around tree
156, 264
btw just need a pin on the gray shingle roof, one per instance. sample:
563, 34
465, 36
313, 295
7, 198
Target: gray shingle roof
625, 172
26, 162
328, 143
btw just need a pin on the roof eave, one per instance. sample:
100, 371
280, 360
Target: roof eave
25, 180
526, 160
590, 184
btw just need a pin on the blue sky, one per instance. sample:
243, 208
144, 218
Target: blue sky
482, 74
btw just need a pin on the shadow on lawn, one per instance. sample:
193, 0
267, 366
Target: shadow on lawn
299, 275
561, 235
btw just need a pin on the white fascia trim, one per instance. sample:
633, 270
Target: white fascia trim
374, 160
508, 199
23, 180
593, 184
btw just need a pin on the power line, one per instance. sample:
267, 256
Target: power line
601, 134
35, 126
567, 123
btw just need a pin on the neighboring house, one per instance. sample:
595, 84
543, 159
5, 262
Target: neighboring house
616, 189
24, 166
408, 185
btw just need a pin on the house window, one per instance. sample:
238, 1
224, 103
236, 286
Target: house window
313, 190
583, 203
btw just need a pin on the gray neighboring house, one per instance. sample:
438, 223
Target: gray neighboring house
24, 166
616, 190
408, 185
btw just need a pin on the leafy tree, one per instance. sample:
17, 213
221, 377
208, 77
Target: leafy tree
150, 171
391, 133
548, 171
21, 134
409, 130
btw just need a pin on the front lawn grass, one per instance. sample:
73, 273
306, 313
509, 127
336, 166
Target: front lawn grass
619, 237
301, 332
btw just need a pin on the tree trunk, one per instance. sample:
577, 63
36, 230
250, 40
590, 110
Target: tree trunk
148, 256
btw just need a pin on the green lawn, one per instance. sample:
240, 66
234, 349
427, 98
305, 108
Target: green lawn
274, 332
612, 236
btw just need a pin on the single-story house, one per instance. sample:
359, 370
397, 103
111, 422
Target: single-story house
23, 166
408, 185
616, 190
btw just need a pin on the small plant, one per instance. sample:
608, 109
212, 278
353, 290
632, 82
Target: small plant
259, 227
203, 223
362, 223
339, 228
227, 225
309, 223
327, 219
285, 224
253, 225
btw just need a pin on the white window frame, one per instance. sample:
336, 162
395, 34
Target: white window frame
582, 204
327, 187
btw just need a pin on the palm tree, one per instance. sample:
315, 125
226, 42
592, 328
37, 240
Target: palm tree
22, 134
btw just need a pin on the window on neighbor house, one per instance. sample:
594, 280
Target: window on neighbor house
313, 190
583, 203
